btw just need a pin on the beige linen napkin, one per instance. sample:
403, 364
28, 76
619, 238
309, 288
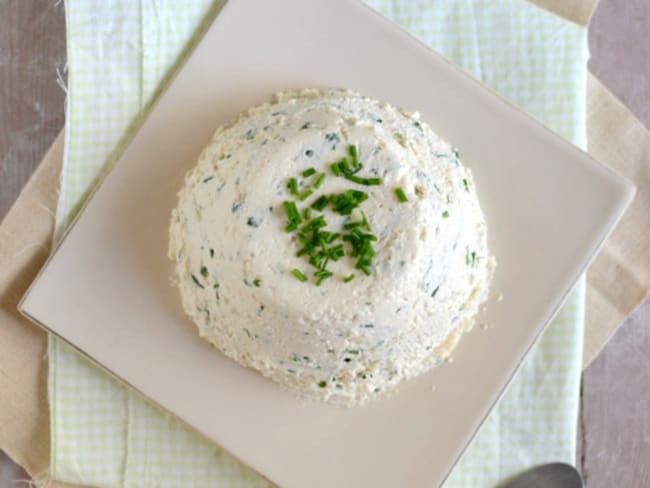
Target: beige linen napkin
618, 281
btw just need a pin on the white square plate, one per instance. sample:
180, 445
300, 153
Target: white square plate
107, 291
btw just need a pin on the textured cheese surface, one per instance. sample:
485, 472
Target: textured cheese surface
341, 342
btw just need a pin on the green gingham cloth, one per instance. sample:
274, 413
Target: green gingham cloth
104, 434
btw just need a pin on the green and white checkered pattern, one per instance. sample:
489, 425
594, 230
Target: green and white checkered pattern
106, 435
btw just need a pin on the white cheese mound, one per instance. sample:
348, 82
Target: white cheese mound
340, 342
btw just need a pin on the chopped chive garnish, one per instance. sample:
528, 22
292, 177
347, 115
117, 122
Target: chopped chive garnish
445, 214
205, 180
322, 275
314, 224
305, 195
364, 221
344, 166
292, 215
322, 384
257, 282
401, 196
298, 274
347, 201
433, 293
293, 186
302, 251
317, 244
204, 271
363, 181
320, 203
466, 184
336, 252
319, 181
351, 225
329, 237
361, 248
252, 222
318, 260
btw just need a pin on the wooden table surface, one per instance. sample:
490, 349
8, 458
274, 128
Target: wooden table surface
614, 433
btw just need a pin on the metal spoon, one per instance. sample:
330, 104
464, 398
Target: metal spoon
552, 475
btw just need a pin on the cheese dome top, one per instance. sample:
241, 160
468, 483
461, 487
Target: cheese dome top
348, 335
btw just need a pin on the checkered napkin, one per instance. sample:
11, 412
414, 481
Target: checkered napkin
106, 435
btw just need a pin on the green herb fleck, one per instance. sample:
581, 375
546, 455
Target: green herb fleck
252, 222
348, 278
445, 214
332, 136
322, 384
309, 153
299, 274
306, 213
308, 172
433, 293
205, 180
204, 271
401, 196
466, 184
196, 280
257, 282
